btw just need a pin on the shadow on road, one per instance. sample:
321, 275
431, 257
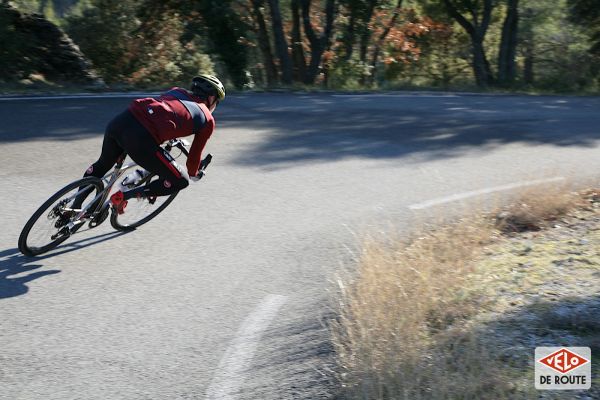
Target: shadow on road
67, 119
327, 127
12, 262
311, 129
300, 357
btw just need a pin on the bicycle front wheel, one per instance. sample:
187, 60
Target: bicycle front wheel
48, 226
139, 211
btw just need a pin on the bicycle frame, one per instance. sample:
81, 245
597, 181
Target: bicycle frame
87, 201
102, 200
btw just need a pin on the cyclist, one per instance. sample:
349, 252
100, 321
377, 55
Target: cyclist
147, 123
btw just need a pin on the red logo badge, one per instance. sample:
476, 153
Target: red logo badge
563, 361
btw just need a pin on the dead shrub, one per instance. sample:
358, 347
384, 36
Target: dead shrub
393, 314
403, 329
535, 208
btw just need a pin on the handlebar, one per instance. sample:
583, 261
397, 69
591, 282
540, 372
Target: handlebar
181, 145
205, 162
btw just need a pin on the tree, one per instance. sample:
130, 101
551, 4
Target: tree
477, 28
349, 32
318, 43
557, 52
281, 44
382, 36
356, 32
369, 9
587, 14
224, 27
528, 47
263, 41
298, 56
507, 68
164, 55
131, 41
103, 32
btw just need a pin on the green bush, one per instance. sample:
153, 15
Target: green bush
15, 47
145, 51
103, 32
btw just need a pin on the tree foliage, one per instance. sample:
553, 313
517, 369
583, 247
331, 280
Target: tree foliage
103, 32
130, 42
224, 29
586, 13
336, 43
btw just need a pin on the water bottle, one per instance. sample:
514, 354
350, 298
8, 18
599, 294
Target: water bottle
135, 177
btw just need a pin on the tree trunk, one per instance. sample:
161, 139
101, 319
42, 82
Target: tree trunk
480, 64
529, 48
528, 75
508, 46
297, 50
476, 30
365, 37
366, 32
381, 40
349, 36
281, 45
264, 43
318, 44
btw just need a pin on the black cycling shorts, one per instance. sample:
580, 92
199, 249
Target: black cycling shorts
125, 135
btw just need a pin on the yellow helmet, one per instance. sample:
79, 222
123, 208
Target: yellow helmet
208, 85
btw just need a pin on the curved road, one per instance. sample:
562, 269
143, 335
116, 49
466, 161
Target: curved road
224, 295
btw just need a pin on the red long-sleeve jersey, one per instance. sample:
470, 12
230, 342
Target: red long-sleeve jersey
167, 118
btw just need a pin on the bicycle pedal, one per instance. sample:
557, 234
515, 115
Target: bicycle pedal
100, 217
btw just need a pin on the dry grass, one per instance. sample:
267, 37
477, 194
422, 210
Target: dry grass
403, 328
536, 207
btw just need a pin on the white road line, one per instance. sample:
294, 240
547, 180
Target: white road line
466, 195
229, 376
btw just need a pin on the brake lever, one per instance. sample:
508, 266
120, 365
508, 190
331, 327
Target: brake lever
206, 161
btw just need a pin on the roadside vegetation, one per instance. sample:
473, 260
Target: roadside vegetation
456, 312
508, 45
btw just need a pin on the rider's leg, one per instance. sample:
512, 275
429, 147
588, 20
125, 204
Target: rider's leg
172, 176
111, 151
143, 149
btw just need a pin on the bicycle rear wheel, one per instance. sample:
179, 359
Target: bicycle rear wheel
48, 226
139, 211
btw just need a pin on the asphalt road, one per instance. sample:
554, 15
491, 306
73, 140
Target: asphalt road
225, 294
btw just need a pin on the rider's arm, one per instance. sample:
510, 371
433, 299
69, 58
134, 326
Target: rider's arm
195, 156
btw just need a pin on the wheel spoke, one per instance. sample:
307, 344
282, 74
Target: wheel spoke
138, 209
48, 225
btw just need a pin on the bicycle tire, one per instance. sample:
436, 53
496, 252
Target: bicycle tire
116, 220
32, 251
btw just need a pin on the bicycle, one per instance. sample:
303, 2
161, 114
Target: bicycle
62, 220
